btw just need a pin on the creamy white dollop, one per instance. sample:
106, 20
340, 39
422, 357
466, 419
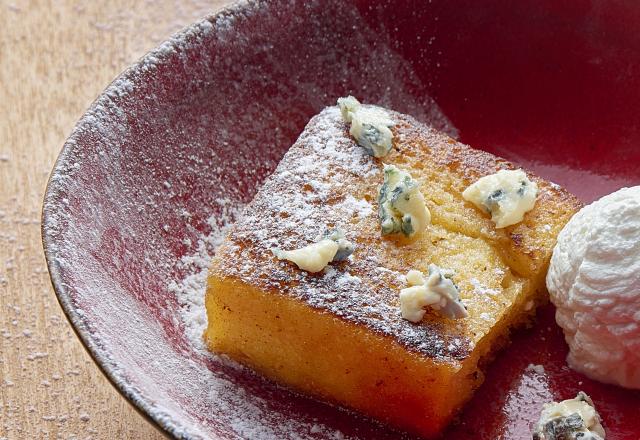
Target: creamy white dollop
594, 281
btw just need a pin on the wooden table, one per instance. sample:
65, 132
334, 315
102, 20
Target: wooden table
55, 58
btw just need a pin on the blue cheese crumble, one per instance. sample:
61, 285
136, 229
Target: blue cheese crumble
436, 291
332, 247
369, 126
574, 418
401, 206
506, 195
345, 247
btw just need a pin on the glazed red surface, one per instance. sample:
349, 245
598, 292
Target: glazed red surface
555, 88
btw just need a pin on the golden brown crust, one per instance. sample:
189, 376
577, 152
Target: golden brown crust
326, 180
526, 245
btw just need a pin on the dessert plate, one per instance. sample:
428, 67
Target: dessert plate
173, 148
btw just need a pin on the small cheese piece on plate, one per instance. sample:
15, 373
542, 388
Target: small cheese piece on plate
574, 418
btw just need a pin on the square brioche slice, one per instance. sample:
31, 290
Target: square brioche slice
338, 334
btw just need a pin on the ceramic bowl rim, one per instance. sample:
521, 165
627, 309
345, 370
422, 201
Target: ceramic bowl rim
163, 422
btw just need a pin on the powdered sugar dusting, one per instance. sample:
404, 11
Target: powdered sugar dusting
243, 411
358, 207
482, 290
190, 290
319, 184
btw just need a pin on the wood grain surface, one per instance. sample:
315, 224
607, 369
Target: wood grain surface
55, 58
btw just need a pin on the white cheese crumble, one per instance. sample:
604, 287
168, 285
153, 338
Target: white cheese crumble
333, 246
415, 278
572, 418
348, 106
507, 195
401, 205
436, 291
369, 126
594, 282
313, 257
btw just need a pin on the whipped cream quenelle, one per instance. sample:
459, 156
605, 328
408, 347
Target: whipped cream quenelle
594, 281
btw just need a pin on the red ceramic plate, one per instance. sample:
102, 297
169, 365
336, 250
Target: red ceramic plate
180, 141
